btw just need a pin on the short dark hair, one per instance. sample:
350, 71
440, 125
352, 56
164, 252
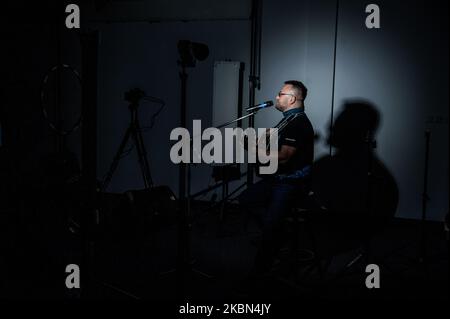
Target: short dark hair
299, 86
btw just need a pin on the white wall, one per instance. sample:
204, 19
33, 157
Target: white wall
402, 68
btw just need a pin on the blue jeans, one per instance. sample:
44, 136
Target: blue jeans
272, 200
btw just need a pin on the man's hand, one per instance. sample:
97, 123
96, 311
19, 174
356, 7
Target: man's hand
285, 153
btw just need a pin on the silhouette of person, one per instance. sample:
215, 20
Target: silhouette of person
359, 192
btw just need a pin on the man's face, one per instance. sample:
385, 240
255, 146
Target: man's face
285, 98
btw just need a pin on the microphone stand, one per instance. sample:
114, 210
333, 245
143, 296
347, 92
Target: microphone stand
189, 197
184, 266
251, 116
238, 119
225, 195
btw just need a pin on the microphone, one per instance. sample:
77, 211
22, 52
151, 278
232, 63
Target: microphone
259, 106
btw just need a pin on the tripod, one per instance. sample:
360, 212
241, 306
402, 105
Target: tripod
133, 131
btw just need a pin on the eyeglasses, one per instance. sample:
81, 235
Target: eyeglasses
281, 94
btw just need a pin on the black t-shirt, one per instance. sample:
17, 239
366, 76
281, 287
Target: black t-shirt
298, 133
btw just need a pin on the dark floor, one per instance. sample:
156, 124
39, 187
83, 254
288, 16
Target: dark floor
137, 261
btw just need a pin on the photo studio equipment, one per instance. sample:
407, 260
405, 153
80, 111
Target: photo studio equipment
147, 208
228, 173
425, 198
89, 53
254, 81
254, 84
184, 264
134, 132
93, 189
189, 53
228, 87
156, 200
73, 177
90, 184
423, 257
65, 186
255, 68
63, 166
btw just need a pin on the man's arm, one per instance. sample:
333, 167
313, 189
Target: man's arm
283, 155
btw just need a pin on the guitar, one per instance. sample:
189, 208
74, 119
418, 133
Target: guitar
265, 141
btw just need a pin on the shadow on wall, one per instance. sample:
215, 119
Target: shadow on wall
342, 181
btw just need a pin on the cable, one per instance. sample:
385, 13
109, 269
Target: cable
154, 116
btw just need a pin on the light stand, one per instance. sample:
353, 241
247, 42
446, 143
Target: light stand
425, 199
421, 261
423, 258
255, 68
189, 53
184, 264
225, 195
371, 145
224, 182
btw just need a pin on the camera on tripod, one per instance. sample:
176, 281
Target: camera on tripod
134, 95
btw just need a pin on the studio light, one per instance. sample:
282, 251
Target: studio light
190, 52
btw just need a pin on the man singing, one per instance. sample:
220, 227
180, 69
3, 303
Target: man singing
273, 196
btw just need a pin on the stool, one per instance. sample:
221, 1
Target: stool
300, 219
